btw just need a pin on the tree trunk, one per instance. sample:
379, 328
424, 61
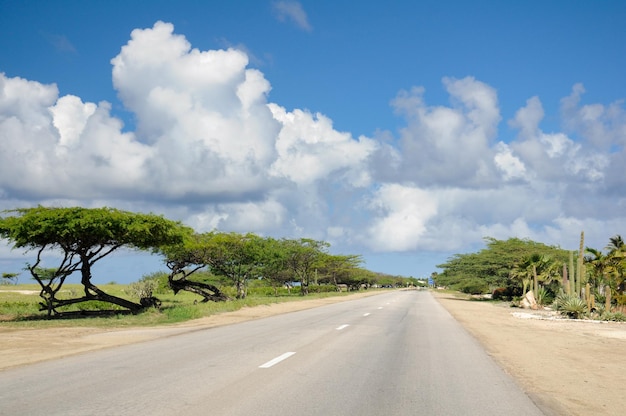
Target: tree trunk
207, 291
241, 290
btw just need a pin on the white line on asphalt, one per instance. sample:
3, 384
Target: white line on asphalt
339, 328
380, 307
277, 360
366, 314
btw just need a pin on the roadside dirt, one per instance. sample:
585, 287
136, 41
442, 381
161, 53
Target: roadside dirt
568, 367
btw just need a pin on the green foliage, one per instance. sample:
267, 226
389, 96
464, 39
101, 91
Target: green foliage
544, 296
160, 282
9, 278
473, 286
570, 305
495, 264
83, 236
613, 316
143, 289
608, 270
78, 228
505, 293
219, 260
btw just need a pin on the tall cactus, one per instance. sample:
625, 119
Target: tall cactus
580, 265
535, 282
572, 277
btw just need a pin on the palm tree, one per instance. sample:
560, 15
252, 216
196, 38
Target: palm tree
545, 267
599, 264
616, 244
616, 264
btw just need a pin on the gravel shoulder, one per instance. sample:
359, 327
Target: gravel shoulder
568, 367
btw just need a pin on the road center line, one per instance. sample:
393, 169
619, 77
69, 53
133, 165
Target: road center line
339, 328
276, 360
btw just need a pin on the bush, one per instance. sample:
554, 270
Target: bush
505, 293
544, 297
473, 286
143, 289
322, 288
613, 316
570, 305
162, 284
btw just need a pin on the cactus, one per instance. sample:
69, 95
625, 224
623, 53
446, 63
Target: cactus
580, 265
535, 281
572, 279
565, 280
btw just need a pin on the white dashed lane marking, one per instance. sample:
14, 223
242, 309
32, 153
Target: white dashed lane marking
276, 360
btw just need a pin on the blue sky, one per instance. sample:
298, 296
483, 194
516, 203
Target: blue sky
403, 131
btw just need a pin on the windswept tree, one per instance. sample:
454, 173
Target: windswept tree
273, 260
302, 257
234, 256
184, 260
83, 236
10, 277
337, 269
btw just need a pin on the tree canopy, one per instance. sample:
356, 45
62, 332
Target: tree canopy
83, 236
497, 265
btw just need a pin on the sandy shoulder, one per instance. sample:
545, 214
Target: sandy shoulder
567, 367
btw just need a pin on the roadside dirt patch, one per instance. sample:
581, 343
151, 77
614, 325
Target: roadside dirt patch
568, 367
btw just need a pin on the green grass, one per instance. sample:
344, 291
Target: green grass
20, 310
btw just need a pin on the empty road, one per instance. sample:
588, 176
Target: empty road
397, 353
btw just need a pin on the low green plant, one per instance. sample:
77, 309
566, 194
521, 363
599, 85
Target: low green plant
570, 305
613, 316
473, 286
143, 288
544, 297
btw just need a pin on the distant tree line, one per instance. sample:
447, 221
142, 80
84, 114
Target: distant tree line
84, 236
587, 280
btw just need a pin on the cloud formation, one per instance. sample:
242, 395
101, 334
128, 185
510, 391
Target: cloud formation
292, 11
212, 150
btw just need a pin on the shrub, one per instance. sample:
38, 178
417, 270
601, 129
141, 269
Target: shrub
613, 316
473, 286
570, 305
544, 297
143, 289
506, 293
322, 288
162, 285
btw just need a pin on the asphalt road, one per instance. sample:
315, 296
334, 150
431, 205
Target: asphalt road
398, 353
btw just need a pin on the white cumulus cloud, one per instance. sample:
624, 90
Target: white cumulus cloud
210, 148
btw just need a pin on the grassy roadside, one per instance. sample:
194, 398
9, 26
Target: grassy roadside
19, 307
